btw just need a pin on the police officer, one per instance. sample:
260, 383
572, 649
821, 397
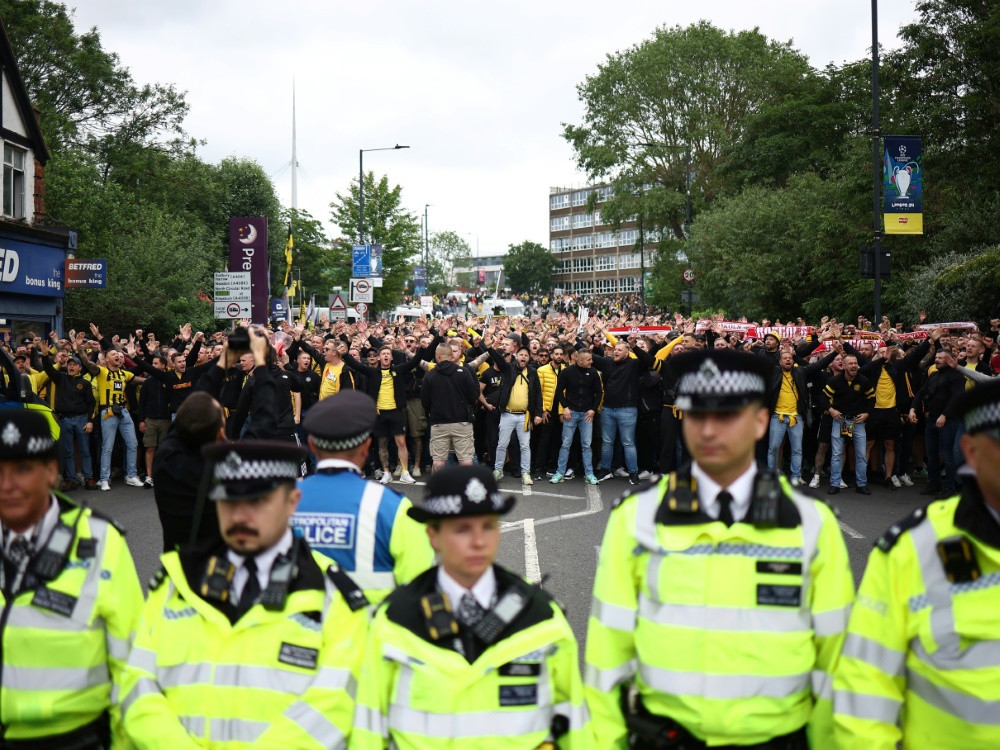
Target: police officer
70, 600
362, 525
722, 594
254, 641
469, 655
921, 661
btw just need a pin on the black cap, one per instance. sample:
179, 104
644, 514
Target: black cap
251, 468
25, 433
980, 408
458, 492
720, 379
342, 421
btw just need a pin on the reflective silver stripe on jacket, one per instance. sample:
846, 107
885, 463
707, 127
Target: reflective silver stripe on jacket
887, 660
143, 686
364, 572
723, 686
236, 730
87, 598
469, 725
54, 678
316, 725
576, 713
867, 707
962, 706
613, 616
370, 719
701, 617
606, 680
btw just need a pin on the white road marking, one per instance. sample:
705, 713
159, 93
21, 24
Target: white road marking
594, 505
532, 570
853, 533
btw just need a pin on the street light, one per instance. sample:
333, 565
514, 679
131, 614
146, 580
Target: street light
361, 187
474, 234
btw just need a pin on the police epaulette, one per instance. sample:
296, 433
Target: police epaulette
158, 578
105, 517
641, 487
888, 540
351, 592
65, 501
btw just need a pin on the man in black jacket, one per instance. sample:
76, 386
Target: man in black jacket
620, 374
852, 398
448, 395
579, 393
520, 408
154, 415
74, 408
936, 401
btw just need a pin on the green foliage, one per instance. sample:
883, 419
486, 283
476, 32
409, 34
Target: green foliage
246, 190
448, 251
388, 224
956, 286
311, 254
667, 275
527, 268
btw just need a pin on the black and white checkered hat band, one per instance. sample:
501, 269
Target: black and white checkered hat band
985, 417
35, 445
38, 445
248, 469
326, 444
452, 505
716, 384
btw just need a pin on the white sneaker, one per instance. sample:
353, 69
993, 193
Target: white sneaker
621, 472
895, 481
843, 484
385, 478
415, 472
905, 479
498, 474
405, 478
378, 474
398, 471
526, 479
148, 484
133, 481
104, 485
796, 482
569, 474
644, 475
814, 482
80, 480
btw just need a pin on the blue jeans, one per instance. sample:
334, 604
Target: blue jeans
72, 427
513, 424
837, 459
109, 427
623, 419
577, 422
779, 425
941, 442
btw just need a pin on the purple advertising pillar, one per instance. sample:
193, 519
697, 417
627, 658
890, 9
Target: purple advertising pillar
248, 252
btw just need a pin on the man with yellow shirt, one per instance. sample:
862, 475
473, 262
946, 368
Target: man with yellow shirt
520, 408
335, 374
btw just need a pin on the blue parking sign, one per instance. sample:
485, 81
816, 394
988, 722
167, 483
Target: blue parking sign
362, 261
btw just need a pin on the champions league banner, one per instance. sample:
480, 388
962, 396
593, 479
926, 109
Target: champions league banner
903, 184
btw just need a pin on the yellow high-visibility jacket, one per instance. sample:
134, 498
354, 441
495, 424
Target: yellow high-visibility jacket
732, 632
921, 661
548, 377
419, 694
65, 641
273, 679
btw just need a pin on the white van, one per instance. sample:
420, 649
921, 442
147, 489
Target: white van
511, 307
409, 313
352, 314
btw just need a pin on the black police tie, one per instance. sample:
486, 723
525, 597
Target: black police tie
16, 553
725, 501
469, 610
251, 589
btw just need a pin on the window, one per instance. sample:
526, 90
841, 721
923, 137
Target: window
605, 263
13, 182
583, 242
559, 223
605, 239
597, 218
580, 197
583, 287
561, 244
605, 193
583, 220
628, 260
628, 284
561, 267
559, 201
583, 265
628, 238
607, 286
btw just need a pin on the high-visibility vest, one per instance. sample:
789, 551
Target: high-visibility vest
415, 694
732, 632
66, 641
364, 528
274, 679
921, 661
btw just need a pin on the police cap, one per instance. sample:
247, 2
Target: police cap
25, 434
251, 468
980, 408
458, 492
720, 379
342, 421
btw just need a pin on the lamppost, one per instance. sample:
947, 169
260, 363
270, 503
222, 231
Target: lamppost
474, 234
876, 171
361, 187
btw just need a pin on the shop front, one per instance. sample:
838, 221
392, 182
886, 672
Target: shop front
32, 287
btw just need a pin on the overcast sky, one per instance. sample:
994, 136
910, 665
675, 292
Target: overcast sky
478, 91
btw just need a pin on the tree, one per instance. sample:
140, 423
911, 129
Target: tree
685, 88
448, 251
957, 286
527, 268
388, 224
312, 254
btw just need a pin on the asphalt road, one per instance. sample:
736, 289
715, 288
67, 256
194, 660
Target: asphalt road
554, 531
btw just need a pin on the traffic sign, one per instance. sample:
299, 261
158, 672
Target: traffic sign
362, 291
362, 260
232, 309
689, 274
361, 307
338, 303
232, 286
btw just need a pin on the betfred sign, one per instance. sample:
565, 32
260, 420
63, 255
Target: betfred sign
88, 273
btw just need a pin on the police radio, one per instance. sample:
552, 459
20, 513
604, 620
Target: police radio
51, 559
283, 572
440, 621
766, 501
